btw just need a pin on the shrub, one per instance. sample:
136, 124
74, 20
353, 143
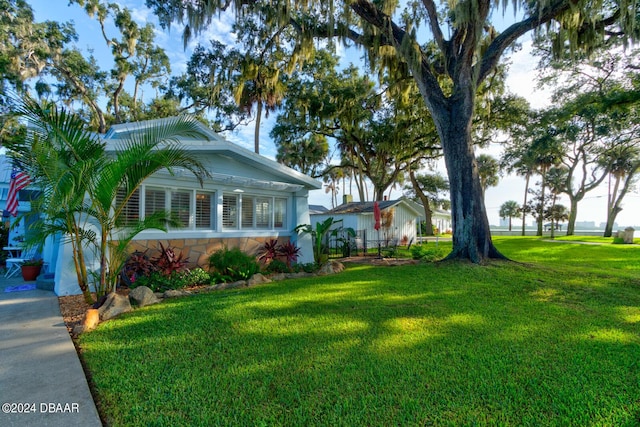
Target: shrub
232, 265
137, 266
290, 251
277, 266
270, 251
196, 276
309, 267
168, 262
427, 253
159, 282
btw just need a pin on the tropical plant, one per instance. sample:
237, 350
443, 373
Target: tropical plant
137, 265
510, 209
232, 264
81, 183
168, 262
32, 262
270, 251
319, 235
290, 252
60, 156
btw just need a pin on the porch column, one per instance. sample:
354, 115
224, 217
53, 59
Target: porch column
300, 215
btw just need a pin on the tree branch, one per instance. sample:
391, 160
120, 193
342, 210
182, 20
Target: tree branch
505, 39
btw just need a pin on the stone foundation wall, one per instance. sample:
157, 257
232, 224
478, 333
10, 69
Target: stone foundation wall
199, 250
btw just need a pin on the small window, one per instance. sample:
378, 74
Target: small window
181, 205
280, 213
131, 211
154, 201
263, 212
247, 212
230, 211
204, 217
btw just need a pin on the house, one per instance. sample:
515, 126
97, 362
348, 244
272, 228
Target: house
398, 220
248, 200
440, 218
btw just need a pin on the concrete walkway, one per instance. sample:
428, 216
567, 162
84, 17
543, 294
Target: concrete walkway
41, 379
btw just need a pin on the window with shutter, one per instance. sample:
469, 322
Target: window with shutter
181, 206
280, 213
154, 200
131, 211
204, 210
247, 212
230, 211
263, 212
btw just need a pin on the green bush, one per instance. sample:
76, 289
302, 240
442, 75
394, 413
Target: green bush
159, 282
309, 267
277, 266
232, 265
427, 253
195, 277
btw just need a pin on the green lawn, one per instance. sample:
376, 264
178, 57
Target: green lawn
551, 340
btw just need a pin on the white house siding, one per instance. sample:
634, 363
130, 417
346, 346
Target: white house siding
403, 226
235, 171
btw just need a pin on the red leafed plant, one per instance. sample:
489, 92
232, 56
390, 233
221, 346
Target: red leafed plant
290, 251
270, 249
168, 262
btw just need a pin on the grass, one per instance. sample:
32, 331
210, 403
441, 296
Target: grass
551, 340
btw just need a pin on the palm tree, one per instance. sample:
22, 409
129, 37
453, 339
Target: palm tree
546, 152
510, 209
141, 155
260, 84
60, 156
488, 169
556, 181
81, 184
555, 214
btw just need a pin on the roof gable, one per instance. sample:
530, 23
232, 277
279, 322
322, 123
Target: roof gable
367, 207
217, 145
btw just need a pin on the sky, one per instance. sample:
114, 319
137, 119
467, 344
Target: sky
521, 80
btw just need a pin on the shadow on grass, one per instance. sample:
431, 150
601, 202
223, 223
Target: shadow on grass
428, 344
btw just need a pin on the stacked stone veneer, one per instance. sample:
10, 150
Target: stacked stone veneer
199, 250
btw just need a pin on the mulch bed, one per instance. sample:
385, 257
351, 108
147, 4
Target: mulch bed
73, 308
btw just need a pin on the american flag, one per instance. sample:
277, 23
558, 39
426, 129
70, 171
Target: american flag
19, 180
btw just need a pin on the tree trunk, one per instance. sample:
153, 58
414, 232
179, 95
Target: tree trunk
524, 203
510, 222
573, 214
256, 135
616, 199
541, 209
471, 234
425, 203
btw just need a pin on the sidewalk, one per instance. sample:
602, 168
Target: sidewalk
41, 379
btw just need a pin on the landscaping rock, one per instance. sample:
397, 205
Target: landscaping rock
296, 275
232, 285
142, 295
278, 277
114, 305
257, 279
175, 293
331, 267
